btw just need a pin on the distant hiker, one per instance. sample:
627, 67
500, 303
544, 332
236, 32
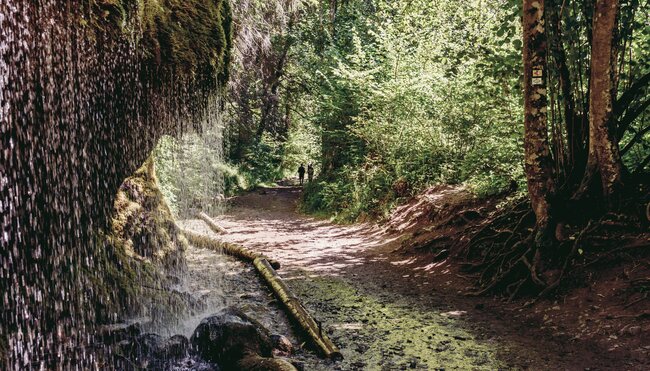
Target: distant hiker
301, 173
310, 172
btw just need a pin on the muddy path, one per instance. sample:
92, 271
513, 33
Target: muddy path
384, 312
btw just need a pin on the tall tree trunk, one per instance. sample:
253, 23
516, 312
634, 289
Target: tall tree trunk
603, 144
538, 161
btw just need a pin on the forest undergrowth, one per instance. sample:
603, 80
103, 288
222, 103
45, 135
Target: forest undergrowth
491, 240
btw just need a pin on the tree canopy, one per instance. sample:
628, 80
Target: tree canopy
389, 97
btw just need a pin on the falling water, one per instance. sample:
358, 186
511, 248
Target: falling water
190, 168
189, 172
81, 107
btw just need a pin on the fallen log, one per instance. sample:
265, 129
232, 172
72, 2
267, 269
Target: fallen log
312, 328
206, 242
216, 228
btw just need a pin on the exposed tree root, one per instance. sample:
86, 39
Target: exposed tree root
644, 297
504, 258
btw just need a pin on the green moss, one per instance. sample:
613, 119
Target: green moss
393, 332
183, 37
136, 256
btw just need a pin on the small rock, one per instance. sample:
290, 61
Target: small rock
281, 345
144, 350
176, 347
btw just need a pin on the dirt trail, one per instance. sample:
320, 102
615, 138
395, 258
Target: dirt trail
382, 312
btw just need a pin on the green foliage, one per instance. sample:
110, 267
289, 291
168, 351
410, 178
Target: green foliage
411, 94
301, 147
192, 173
234, 181
194, 176
263, 160
351, 193
400, 95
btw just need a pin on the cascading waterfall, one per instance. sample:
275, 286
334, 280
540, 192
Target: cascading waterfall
86, 90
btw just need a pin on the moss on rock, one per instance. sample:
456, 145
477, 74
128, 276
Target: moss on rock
139, 256
184, 37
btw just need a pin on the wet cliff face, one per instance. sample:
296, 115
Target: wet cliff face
86, 89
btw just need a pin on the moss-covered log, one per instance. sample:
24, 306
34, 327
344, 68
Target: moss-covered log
205, 242
297, 310
216, 228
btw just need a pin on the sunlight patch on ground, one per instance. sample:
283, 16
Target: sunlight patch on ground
405, 262
430, 267
322, 247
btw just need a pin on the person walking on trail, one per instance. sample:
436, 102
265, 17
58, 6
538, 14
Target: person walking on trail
310, 172
301, 173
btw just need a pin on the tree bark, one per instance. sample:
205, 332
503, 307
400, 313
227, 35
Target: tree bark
269, 115
603, 144
334, 4
538, 161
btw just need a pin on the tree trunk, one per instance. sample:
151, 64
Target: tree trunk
603, 144
333, 10
214, 226
538, 161
269, 116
